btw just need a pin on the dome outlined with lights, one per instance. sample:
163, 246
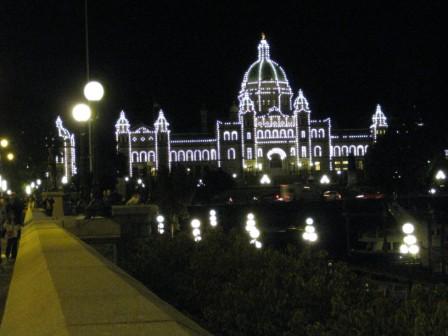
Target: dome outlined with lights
266, 83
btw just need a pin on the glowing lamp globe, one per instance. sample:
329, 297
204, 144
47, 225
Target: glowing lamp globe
250, 216
312, 237
404, 249
410, 239
4, 143
81, 112
414, 249
212, 212
407, 228
310, 229
309, 221
93, 91
195, 223
254, 233
196, 232
10, 156
160, 218
258, 245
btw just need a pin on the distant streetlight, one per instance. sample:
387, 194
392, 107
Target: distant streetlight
93, 91
64, 180
81, 112
213, 219
4, 143
440, 176
310, 231
265, 179
324, 179
10, 156
160, 224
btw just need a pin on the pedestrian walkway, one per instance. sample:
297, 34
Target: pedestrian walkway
61, 286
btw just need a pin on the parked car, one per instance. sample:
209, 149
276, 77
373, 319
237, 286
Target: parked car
331, 195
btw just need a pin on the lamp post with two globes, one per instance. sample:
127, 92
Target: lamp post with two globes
83, 113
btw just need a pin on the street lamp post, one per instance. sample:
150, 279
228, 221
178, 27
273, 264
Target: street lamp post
82, 114
93, 92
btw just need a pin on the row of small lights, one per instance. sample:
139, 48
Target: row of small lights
265, 179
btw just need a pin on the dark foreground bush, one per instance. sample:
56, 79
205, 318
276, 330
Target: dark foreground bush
231, 288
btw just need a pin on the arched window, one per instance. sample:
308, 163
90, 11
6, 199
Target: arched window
249, 153
260, 134
197, 155
173, 156
181, 156
267, 134
344, 151
152, 156
234, 135
292, 151
360, 150
143, 157
317, 151
205, 155
336, 151
275, 134
365, 149
260, 152
321, 133
226, 135
231, 154
352, 149
189, 155
283, 134
135, 157
290, 133
213, 154
313, 133
302, 134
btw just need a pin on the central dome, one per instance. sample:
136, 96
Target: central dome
266, 83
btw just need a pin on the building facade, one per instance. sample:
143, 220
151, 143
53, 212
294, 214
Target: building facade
271, 132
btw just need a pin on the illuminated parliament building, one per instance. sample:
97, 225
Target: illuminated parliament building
272, 132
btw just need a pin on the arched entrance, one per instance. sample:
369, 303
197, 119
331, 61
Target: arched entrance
276, 158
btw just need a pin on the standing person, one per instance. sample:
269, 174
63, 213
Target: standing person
11, 236
16, 209
2, 223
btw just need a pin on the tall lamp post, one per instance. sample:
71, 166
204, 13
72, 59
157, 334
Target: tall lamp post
82, 114
93, 92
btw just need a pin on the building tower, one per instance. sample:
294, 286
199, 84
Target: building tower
303, 137
379, 123
123, 138
66, 159
162, 142
247, 116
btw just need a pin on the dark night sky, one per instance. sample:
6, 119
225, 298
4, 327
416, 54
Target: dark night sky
346, 57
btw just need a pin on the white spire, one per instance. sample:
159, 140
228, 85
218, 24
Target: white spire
161, 124
122, 125
62, 131
379, 119
301, 103
263, 48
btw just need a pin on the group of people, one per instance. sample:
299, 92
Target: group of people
11, 222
